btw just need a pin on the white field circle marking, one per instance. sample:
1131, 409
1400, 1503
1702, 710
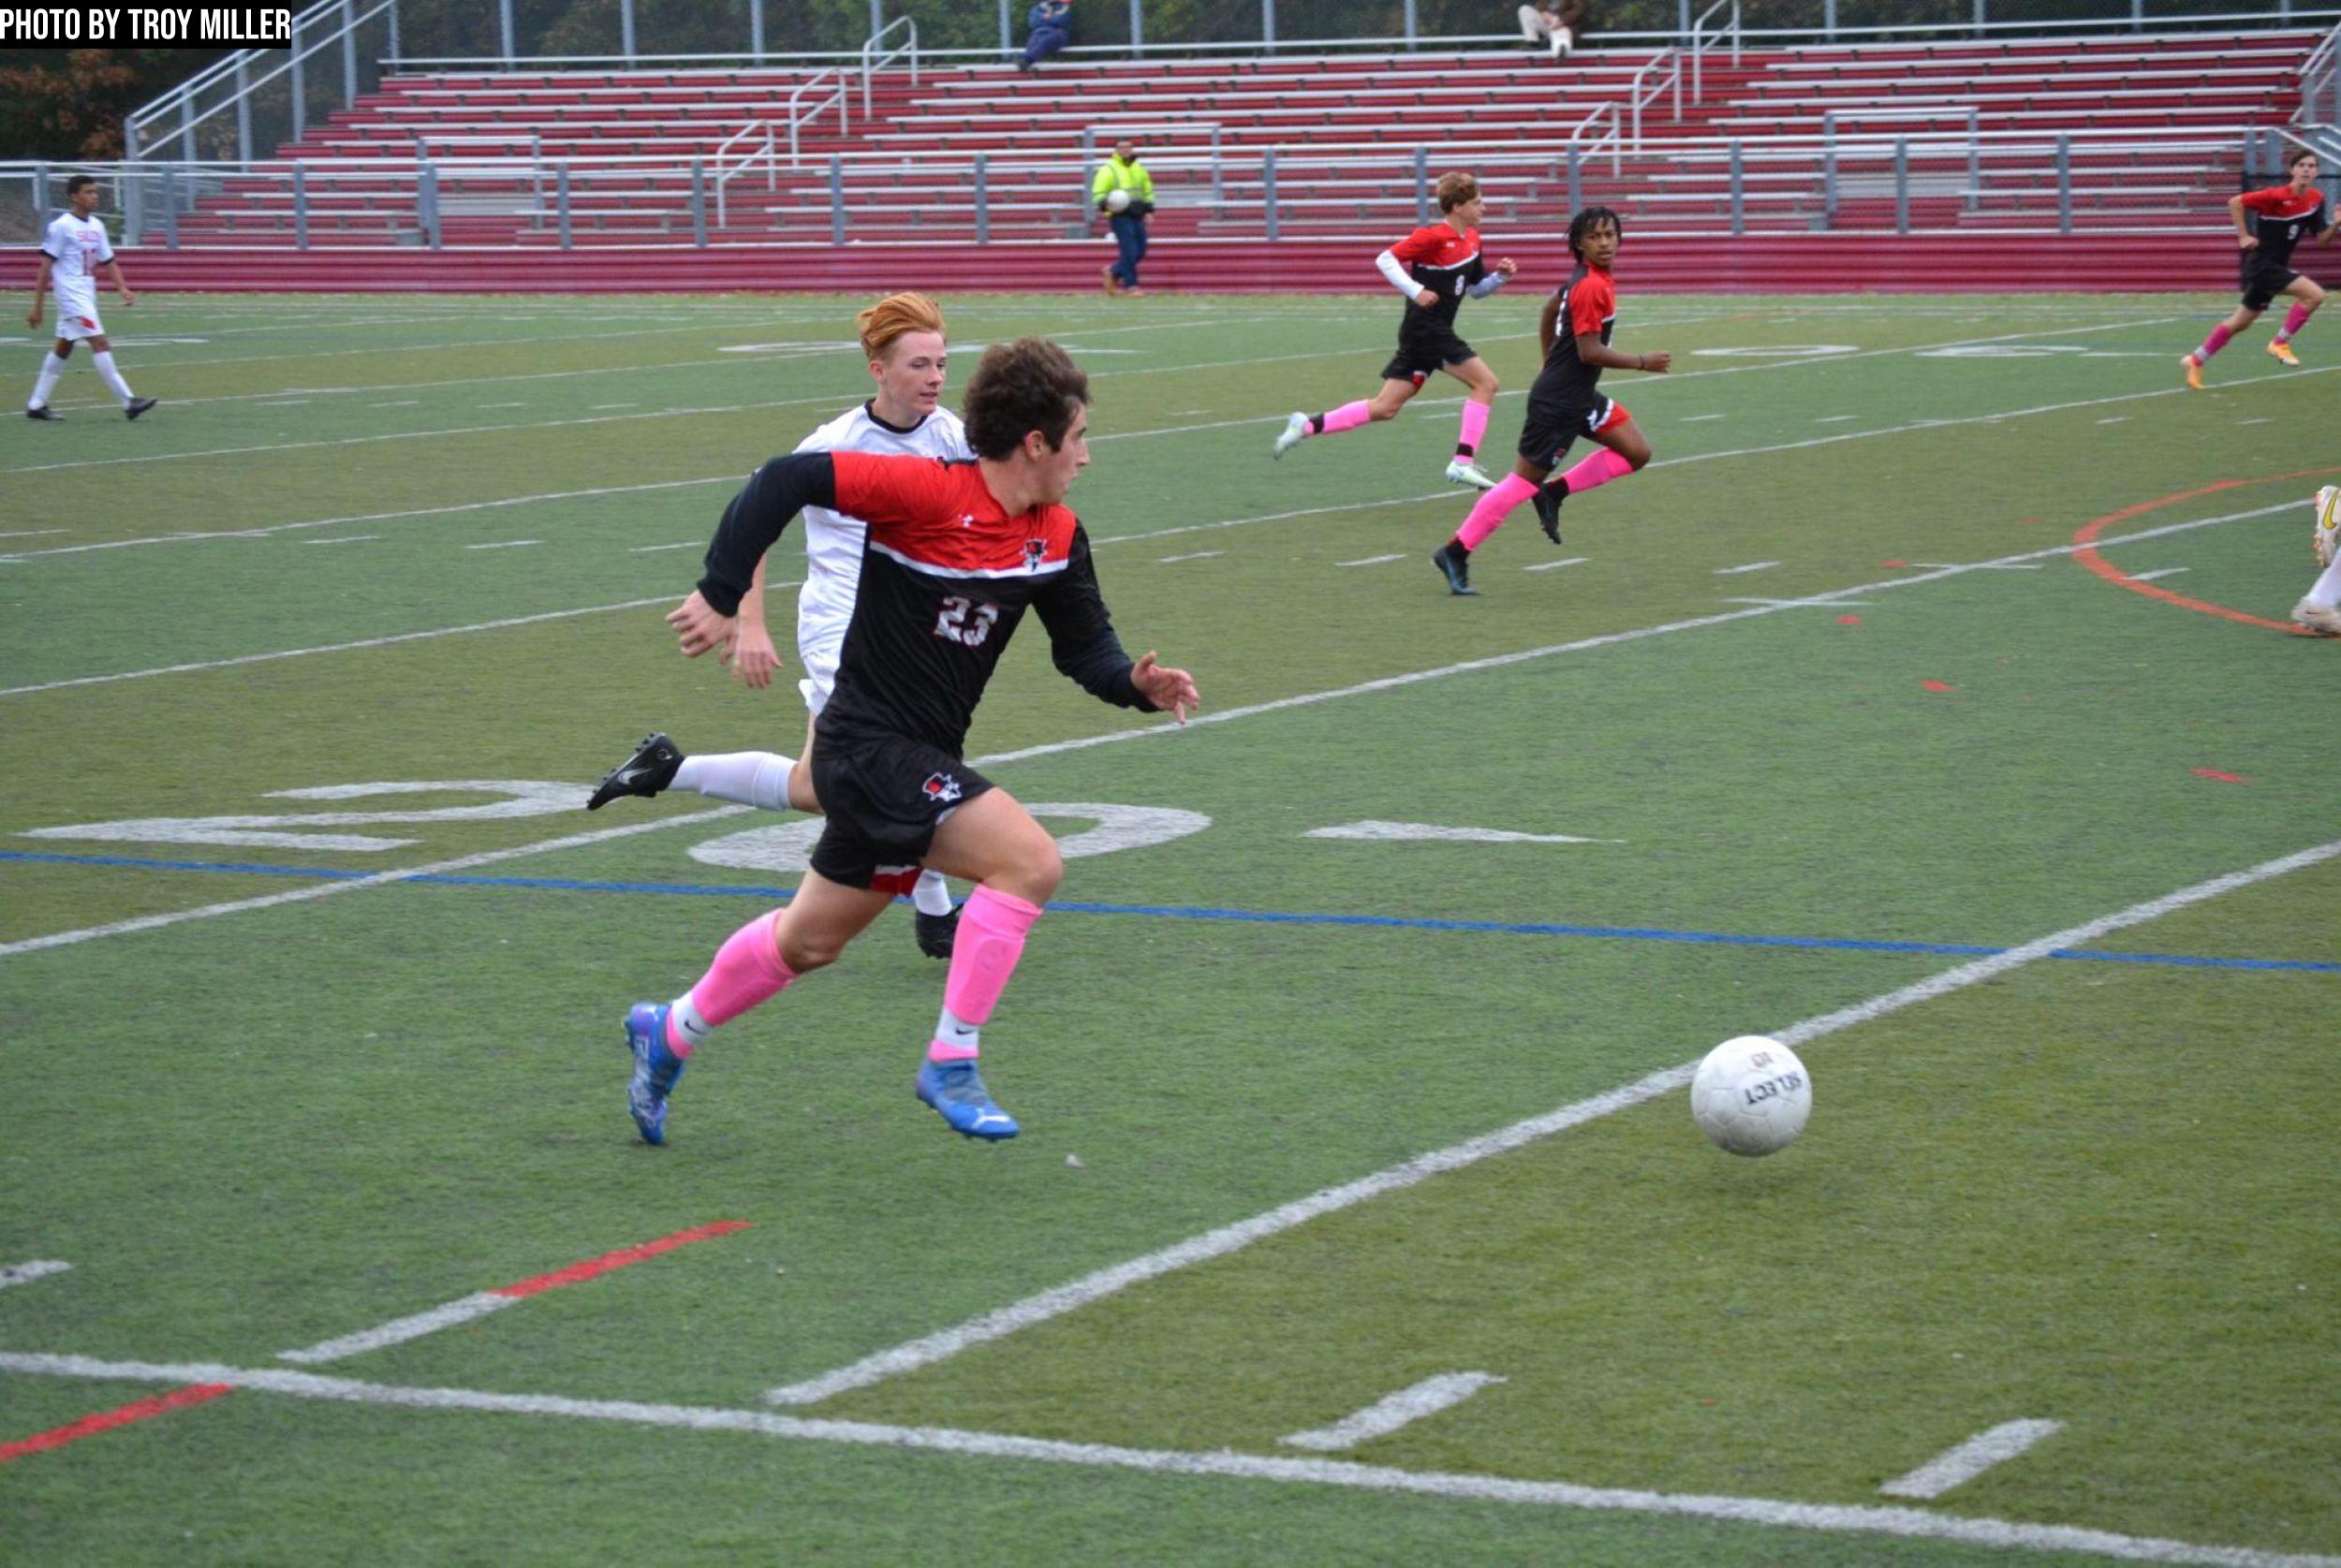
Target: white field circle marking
1833, 1518
1373, 832
788, 848
24, 1273
1778, 351
1386, 1416
521, 797
1971, 1458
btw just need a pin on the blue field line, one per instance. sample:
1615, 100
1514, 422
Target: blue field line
1206, 912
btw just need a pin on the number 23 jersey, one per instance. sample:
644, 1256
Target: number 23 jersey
946, 574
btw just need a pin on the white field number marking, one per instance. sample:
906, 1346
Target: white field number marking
1778, 351
788, 848
520, 797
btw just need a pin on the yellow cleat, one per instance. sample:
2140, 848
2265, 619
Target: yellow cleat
2283, 351
2194, 372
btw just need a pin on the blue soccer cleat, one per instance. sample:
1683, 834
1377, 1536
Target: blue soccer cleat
1454, 564
656, 1069
956, 1089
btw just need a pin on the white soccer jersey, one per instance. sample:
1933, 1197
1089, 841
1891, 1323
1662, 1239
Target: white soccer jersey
76, 248
834, 541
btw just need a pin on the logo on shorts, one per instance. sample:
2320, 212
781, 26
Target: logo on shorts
941, 789
1034, 551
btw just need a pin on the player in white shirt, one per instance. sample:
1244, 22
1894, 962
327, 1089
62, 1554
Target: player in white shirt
72, 251
903, 338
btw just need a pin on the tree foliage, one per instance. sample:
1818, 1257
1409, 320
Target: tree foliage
68, 103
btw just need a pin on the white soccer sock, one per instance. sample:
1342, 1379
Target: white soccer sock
105, 363
751, 778
933, 894
50, 367
2327, 594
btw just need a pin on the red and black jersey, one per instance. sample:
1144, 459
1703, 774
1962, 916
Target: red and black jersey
1443, 261
946, 574
2280, 219
1588, 304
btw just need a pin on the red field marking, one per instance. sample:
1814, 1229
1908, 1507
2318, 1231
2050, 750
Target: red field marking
2214, 773
618, 1259
2086, 535
1939, 686
1849, 620
1894, 562
106, 1421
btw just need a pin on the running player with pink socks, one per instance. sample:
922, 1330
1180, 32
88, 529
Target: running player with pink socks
1434, 267
956, 553
1565, 404
2281, 217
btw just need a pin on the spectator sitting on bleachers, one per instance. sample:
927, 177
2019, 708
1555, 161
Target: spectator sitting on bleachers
1558, 22
1048, 27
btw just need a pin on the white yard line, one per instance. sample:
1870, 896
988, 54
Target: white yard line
1971, 1458
1198, 555
1556, 565
1387, 1414
1369, 561
506, 544
345, 539
400, 1331
1751, 566
1916, 1524
330, 889
23, 1273
686, 544
2167, 571
1091, 1288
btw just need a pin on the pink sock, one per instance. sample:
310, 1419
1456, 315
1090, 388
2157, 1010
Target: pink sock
2294, 319
1349, 416
992, 928
2216, 341
747, 972
1492, 508
1597, 471
1475, 425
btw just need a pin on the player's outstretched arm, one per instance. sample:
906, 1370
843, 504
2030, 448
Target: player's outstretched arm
2244, 237
752, 522
1082, 640
1591, 350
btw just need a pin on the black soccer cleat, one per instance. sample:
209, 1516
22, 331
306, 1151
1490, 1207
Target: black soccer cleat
1454, 564
650, 770
44, 412
138, 407
936, 932
1548, 504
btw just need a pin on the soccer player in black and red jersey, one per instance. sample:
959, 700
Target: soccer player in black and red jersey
2281, 216
1434, 267
1566, 402
956, 553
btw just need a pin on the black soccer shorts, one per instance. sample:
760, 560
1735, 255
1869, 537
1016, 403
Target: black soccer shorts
1555, 423
1426, 349
885, 797
2263, 283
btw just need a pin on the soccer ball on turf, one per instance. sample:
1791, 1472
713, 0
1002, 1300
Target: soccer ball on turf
1117, 202
1751, 1096
2326, 536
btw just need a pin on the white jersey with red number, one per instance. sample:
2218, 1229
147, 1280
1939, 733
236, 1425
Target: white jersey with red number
76, 248
834, 541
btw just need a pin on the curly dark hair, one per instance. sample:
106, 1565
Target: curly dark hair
1587, 221
1019, 388
78, 182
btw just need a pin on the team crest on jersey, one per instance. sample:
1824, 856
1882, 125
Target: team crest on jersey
1035, 551
941, 789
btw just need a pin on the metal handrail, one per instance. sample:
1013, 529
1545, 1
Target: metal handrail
724, 173
869, 49
1614, 138
182, 97
1699, 43
2321, 72
1831, 149
838, 96
1636, 97
1090, 142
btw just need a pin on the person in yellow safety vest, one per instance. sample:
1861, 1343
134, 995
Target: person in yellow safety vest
1123, 174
